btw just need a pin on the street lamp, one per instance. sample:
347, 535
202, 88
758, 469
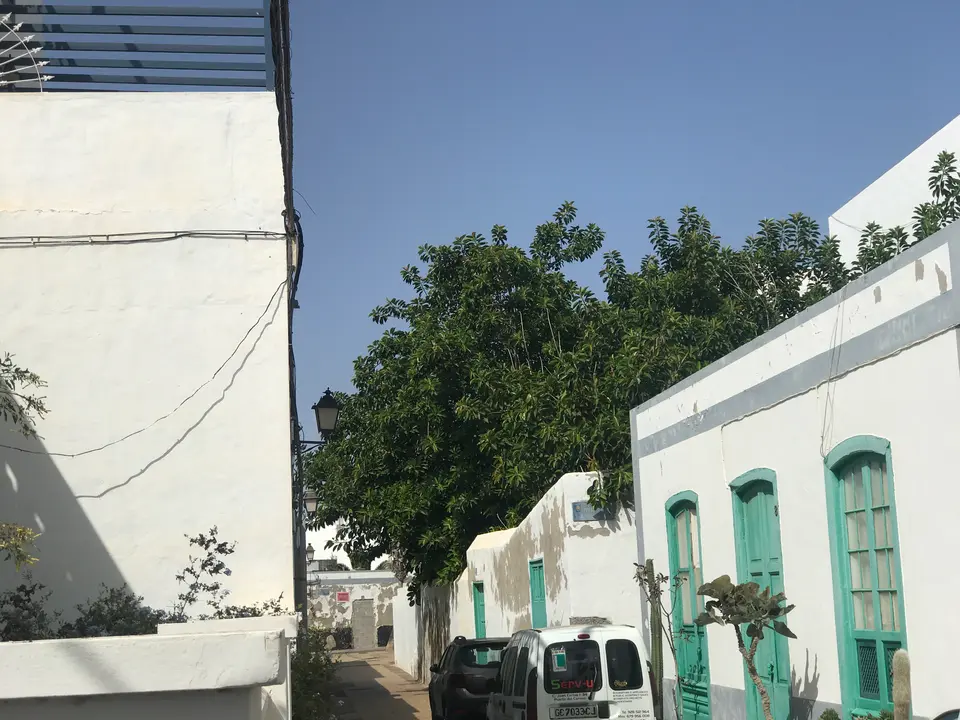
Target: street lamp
327, 411
310, 501
310, 553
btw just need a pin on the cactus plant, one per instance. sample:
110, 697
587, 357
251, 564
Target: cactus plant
901, 685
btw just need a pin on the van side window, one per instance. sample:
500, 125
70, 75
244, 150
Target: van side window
520, 676
506, 670
623, 665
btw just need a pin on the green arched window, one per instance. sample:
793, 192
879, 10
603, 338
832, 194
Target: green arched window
867, 582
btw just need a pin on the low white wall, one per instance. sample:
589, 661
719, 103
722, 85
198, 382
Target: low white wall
588, 566
406, 633
209, 677
328, 611
275, 701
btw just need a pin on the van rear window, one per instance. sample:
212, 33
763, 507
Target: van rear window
623, 665
572, 667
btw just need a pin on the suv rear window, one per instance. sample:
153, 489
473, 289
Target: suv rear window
479, 656
623, 665
572, 667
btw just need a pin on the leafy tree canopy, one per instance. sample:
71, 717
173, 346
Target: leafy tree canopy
499, 373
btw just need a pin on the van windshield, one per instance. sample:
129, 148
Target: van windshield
572, 667
623, 665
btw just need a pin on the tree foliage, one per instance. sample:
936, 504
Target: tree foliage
499, 373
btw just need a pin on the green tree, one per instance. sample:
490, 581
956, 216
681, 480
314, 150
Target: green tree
500, 373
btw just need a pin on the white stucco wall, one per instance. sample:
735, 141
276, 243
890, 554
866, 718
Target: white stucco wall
891, 198
330, 612
216, 676
125, 329
704, 434
275, 700
406, 636
588, 566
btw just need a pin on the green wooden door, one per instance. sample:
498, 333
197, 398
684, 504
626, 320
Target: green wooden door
691, 640
538, 596
760, 560
479, 612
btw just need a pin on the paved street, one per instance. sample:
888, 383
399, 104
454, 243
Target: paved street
373, 689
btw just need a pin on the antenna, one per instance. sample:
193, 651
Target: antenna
18, 61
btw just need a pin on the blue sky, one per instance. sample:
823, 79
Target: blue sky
419, 120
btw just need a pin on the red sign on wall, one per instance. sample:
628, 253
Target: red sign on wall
343, 597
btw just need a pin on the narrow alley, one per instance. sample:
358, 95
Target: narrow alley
374, 689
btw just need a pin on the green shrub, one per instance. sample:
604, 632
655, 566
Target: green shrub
23, 613
313, 673
116, 611
829, 714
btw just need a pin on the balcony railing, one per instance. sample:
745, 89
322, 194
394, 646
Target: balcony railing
142, 45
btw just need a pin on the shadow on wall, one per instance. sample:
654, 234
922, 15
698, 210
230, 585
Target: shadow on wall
804, 691
433, 627
73, 561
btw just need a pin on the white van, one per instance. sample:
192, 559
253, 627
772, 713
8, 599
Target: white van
573, 672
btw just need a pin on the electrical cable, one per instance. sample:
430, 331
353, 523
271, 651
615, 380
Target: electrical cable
183, 402
132, 238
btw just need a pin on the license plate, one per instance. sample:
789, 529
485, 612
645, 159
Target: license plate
574, 711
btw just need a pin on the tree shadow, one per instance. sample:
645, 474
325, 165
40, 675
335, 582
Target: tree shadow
804, 691
74, 561
433, 628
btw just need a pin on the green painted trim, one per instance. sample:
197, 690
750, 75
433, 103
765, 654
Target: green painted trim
479, 608
738, 486
543, 588
676, 503
742, 481
849, 668
855, 446
684, 496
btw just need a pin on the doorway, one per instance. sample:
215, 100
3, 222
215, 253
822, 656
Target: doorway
756, 520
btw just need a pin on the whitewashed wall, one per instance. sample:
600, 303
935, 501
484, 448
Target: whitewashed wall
207, 676
889, 350
588, 567
406, 633
891, 198
124, 329
329, 612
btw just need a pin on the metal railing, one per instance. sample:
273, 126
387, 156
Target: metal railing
142, 45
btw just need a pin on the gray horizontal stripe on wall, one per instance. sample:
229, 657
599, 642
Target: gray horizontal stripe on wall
920, 323
949, 235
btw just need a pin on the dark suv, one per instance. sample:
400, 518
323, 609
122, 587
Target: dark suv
458, 683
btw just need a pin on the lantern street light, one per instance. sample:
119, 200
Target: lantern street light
310, 501
310, 553
327, 411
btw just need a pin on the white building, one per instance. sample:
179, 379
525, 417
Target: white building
812, 460
144, 272
148, 249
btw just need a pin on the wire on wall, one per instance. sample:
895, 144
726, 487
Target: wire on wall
181, 404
